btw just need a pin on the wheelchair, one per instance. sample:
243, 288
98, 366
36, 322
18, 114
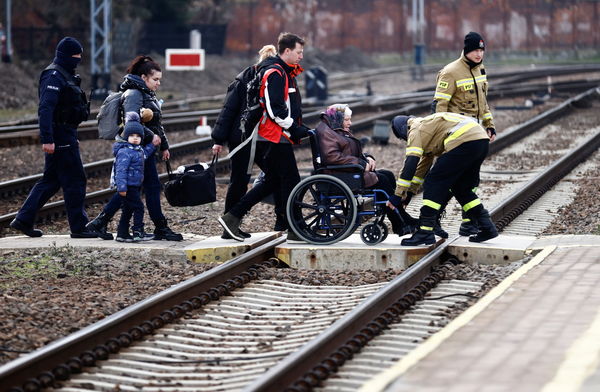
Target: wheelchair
330, 204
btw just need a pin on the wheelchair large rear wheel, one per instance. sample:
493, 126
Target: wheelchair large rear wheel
322, 210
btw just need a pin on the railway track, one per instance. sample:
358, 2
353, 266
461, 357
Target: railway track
340, 80
302, 351
9, 189
504, 84
307, 368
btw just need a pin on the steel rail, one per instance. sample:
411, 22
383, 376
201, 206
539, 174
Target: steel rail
341, 78
316, 352
210, 284
307, 367
530, 126
519, 201
55, 209
20, 135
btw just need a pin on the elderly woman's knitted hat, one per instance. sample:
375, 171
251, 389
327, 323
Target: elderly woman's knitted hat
334, 115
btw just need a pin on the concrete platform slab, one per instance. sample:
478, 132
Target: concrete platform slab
151, 248
217, 250
352, 254
503, 249
538, 330
196, 248
566, 240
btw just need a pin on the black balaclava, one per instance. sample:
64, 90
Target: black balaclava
65, 49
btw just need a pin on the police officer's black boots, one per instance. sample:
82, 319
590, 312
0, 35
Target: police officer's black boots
163, 232
468, 226
25, 229
99, 226
487, 228
424, 235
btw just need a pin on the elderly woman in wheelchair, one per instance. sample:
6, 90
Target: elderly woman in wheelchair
345, 188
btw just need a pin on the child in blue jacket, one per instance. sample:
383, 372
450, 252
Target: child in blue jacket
128, 178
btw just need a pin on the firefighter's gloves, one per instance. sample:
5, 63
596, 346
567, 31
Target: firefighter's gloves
146, 114
491, 133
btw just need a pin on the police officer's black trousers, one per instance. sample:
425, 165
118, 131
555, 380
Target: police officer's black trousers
238, 181
281, 176
457, 170
63, 169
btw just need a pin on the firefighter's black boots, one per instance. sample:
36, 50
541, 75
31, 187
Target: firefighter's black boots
487, 228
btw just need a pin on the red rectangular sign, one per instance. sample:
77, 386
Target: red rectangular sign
185, 59
191, 60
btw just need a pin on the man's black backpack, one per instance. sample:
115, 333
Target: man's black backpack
253, 112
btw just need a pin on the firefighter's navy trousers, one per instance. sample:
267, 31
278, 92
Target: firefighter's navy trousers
458, 171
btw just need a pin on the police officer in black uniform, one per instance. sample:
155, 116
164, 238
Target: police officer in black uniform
63, 106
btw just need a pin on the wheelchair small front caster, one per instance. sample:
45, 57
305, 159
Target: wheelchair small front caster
371, 234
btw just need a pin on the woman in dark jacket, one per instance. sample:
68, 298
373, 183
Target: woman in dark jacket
339, 147
227, 130
140, 85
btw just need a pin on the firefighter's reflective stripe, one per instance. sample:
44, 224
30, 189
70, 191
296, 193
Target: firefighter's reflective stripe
471, 204
426, 228
418, 151
432, 204
463, 82
487, 116
459, 130
453, 117
478, 79
439, 95
403, 183
417, 180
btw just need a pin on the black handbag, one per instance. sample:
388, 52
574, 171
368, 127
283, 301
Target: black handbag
195, 186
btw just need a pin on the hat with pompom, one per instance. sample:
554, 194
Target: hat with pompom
132, 125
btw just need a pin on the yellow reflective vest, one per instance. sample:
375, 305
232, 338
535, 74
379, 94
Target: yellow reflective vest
462, 89
431, 136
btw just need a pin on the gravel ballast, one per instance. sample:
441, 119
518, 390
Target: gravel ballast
47, 295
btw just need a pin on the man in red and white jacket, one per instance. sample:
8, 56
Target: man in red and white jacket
279, 128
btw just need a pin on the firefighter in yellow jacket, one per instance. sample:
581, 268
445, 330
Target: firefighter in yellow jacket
461, 87
460, 145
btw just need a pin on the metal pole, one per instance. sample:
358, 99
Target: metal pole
8, 31
100, 39
107, 40
92, 36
